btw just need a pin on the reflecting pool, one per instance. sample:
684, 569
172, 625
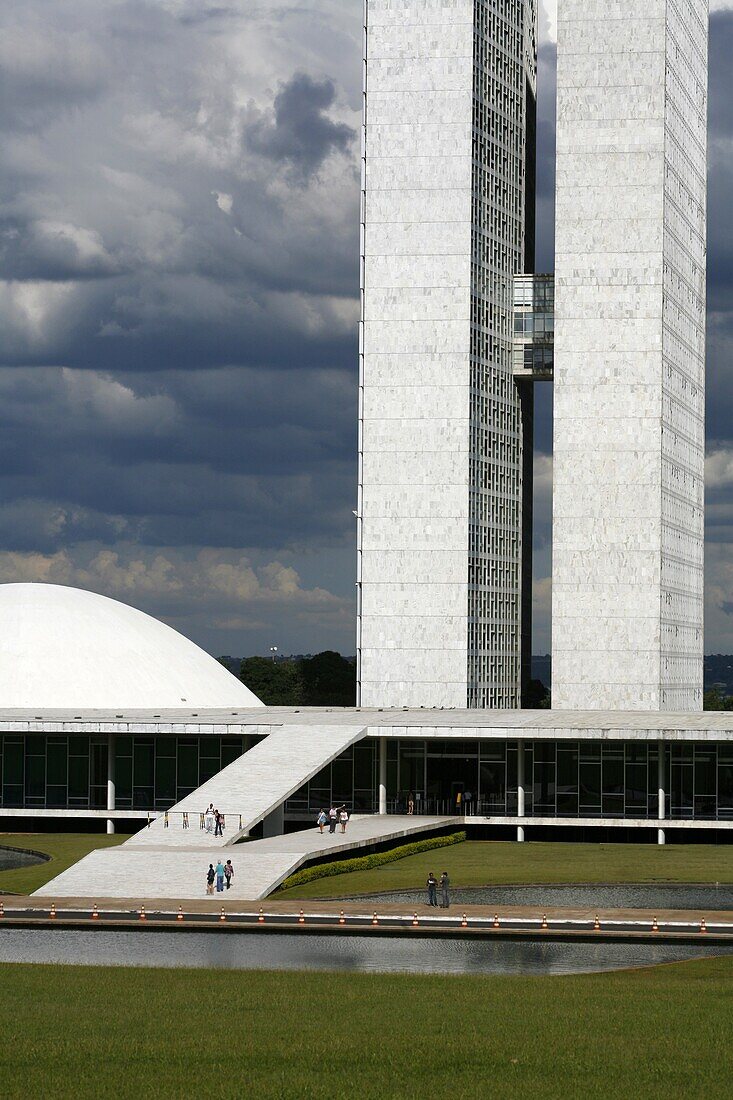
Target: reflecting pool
284, 951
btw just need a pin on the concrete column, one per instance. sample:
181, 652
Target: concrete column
520, 788
111, 747
382, 775
274, 823
661, 797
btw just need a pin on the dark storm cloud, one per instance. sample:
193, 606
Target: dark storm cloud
301, 133
179, 249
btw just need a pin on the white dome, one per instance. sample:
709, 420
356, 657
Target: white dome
66, 648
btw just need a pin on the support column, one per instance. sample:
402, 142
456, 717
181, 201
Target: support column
111, 749
661, 797
520, 788
274, 823
382, 775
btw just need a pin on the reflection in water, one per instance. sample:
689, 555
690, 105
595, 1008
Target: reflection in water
586, 897
11, 859
251, 951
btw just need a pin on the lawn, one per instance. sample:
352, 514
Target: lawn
63, 848
486, 863
91, 1032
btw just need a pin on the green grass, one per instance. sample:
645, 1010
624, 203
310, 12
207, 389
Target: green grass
63, 848
89, 1032
483, 863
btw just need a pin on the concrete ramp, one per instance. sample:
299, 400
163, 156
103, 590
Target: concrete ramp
168, 859
251, 787
259, 865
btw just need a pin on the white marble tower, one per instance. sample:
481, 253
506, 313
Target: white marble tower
448, 208
629, 355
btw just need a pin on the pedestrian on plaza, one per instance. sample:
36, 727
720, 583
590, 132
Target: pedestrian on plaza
343, 818
467, 800
228, 872
444, 891
410, 803
322, 820
209, 818
210, 877
220, 877
333, 816
219, 818
432, 885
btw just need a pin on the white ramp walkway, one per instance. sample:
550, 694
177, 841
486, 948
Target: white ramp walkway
250, 788
259, 865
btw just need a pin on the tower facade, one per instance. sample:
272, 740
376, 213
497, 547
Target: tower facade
447, 221
629, 355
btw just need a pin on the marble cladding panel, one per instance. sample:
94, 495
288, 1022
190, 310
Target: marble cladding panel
385, 534
627, 567
422, 238
405, 13
436, 502
410, 693
422, 204
438, 43
391, 436
388, 173
417, 663
394, 139
417, 565
424, 631
405, 598
415, 402
448, 272
415, 468
384, 305
415, 370
418, 75
416, 336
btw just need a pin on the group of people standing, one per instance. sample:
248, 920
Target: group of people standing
337, 815
222, 873
444, 884
213, 821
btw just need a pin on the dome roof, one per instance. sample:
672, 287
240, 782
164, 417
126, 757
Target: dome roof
65, 648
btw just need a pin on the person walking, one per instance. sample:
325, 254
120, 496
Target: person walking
228, 873
333, 817
210, 877
219, 819
343, 818
432, 885
209, 818
410, 803
444, 891
322, 820
220, 877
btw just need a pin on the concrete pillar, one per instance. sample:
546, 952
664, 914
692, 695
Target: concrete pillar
274, 823
661, 797
111, 748
382, 775
520, 788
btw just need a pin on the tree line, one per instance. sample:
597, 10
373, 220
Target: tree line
325, 680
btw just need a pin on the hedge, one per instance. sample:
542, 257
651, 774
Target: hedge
377, 859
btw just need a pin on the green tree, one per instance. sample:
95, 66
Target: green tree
328, 680
276, 683
715, 700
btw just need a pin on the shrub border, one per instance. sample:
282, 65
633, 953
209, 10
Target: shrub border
366, 863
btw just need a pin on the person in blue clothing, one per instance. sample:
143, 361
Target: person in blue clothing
219, 877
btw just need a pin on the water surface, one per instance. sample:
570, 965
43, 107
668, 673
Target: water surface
350, 954
656, 897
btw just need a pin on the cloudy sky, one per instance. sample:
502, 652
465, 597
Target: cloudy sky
178, 307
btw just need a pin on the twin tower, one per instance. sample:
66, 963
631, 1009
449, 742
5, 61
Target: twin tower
456, 331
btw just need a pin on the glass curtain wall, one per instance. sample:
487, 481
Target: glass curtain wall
350, 780
70, 772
